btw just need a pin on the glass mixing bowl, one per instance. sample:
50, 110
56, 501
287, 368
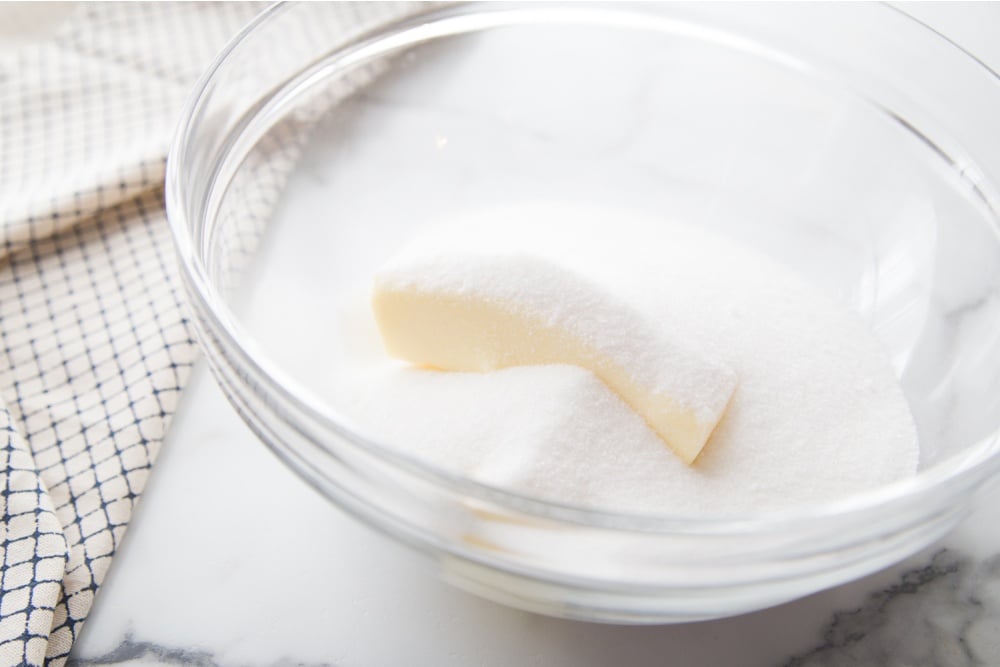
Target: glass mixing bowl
849, 142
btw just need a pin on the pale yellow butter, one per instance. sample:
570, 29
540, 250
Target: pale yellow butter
480, 313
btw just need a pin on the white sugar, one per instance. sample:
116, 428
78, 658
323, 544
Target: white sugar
817, 415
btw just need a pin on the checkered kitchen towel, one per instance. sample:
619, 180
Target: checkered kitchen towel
95, 345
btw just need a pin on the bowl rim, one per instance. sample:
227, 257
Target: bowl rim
969, 468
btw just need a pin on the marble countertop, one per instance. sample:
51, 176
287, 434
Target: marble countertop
231, 560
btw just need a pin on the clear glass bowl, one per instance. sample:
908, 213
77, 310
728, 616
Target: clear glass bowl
847, 141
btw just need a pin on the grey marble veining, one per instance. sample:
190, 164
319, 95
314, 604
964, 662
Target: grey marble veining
131, 651
945, 613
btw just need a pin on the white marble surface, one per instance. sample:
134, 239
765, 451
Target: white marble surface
231, 560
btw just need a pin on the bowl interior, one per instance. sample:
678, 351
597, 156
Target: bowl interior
681, 120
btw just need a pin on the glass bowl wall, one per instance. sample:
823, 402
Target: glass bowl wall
848, 142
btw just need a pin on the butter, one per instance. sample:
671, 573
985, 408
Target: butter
480, 312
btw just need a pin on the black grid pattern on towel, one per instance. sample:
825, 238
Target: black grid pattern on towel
96, 351
94, 347
33, 552
94, 344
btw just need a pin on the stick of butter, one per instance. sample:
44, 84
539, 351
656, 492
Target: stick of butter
482, 311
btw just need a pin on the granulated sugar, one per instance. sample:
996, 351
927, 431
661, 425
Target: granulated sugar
464, 309
817, 413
